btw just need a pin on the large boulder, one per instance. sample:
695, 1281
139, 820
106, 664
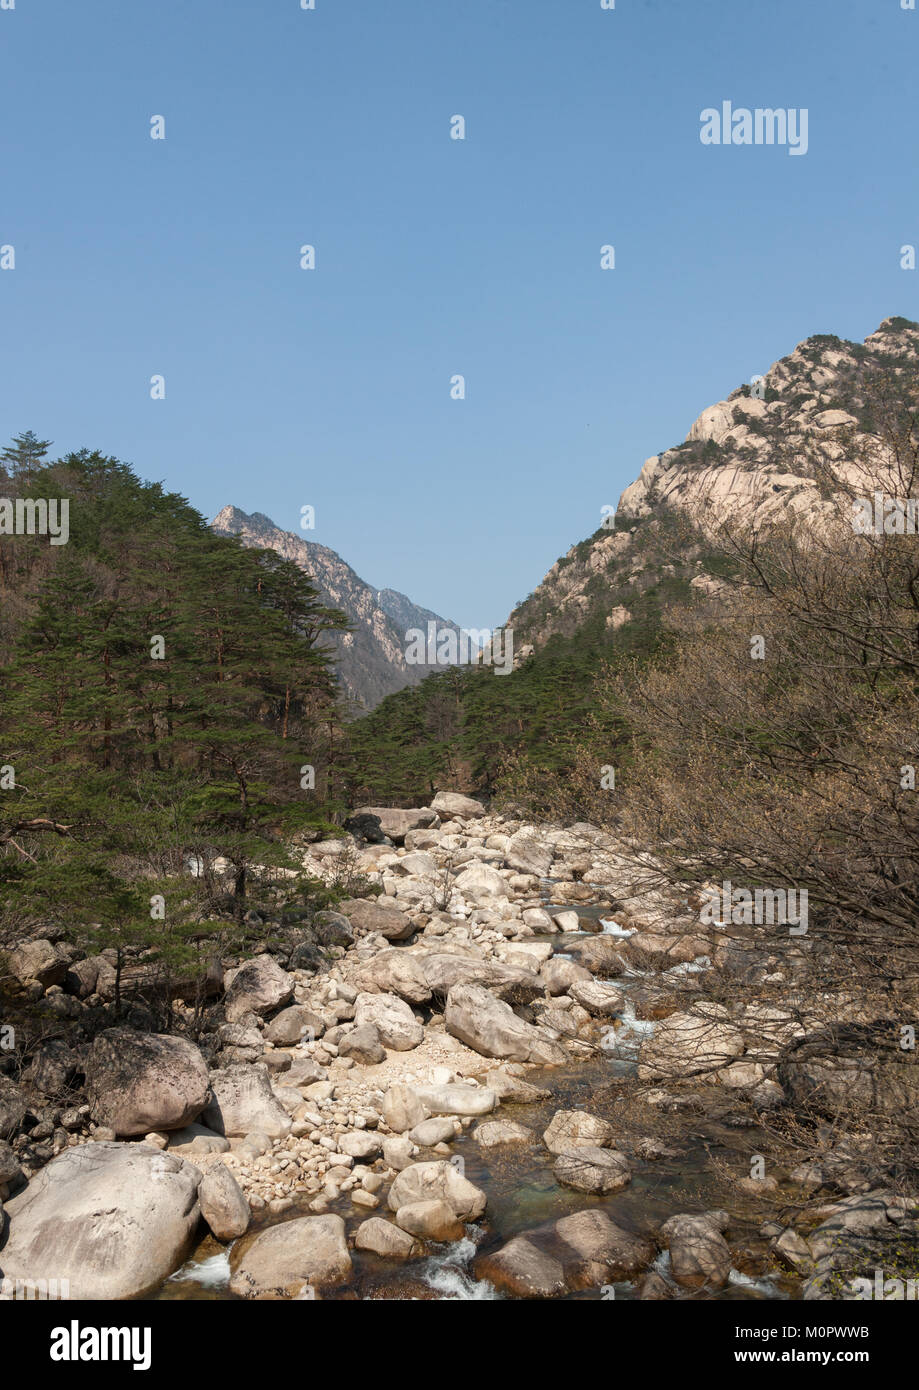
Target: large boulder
242, 1102
448, 805
699, 1254
362, 1144
303, 1071
382, 1238
456, 1099
367, 915
394, 822
137, 1082
685, 1044
38, 960
10, 1171
601, 1000
603, 1249
415, 865
197, 1139
850, 1254
363, 1045
398, 1151
393, 1019
430, 1220
92, 975
571, 1129
366, 827
112, 1219
395, 972
403, 1108
559, 975
524, 1269
579, 1251
601, 955
494, 1133
54, 1068
440, 1181
491, 1027
589, 1169
512, 1090
222, 1203
662, 950
509, 982
480, 883
438, 1130
292, 1024
333, 929
528, 853
850, 1076
258, 987
309, 1250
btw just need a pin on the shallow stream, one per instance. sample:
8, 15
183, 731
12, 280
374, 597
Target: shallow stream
522, 1191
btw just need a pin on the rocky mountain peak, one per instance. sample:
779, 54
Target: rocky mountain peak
745, 461
370, 660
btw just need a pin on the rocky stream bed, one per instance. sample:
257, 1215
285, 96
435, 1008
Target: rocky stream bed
512, 1074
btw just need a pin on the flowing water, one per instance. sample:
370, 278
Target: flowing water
522, 1191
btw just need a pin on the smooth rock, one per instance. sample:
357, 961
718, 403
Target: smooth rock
430, 1220
456, 1099
437, 1130
197, 1139
38, 960
589, 1169
490, 1026
449, 805
569, 1129
393, 1019
369, 915
422, 1182
384, 1239
259, 987
136, 1082
309, 1249
699, 1254
113, 1219
222, 1203
496, 1132
242, 1101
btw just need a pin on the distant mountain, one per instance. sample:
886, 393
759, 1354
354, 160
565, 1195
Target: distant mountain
371, 659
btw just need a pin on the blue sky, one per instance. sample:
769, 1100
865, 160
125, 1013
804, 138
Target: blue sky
331, 127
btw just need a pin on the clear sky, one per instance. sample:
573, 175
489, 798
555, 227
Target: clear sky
434, 257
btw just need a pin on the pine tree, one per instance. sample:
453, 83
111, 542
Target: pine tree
24, 453
162, 689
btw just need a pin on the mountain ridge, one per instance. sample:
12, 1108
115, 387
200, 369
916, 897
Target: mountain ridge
370, 660
742, 463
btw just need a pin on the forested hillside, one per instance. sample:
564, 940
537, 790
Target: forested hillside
165, 692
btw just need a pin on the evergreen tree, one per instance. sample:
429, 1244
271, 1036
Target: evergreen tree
161, 690
24, 453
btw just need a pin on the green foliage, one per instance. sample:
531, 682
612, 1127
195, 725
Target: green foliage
24, 452
162, 689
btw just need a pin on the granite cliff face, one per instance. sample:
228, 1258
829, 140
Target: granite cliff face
747, 461
371, 659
